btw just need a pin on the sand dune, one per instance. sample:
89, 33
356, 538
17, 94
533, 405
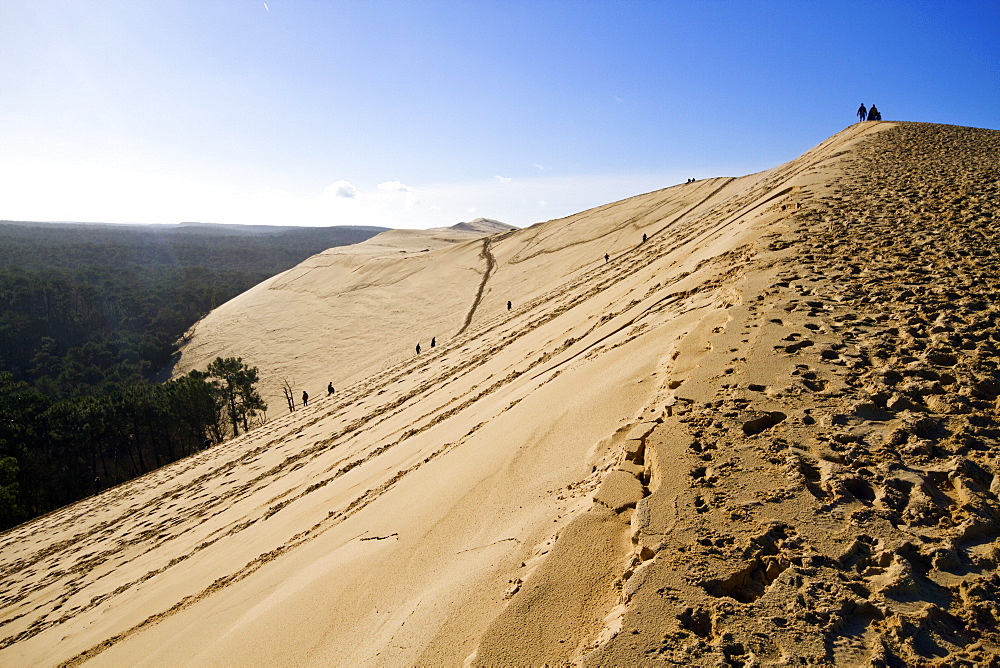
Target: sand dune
766, 435
346, 312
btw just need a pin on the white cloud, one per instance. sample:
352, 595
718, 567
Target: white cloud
342, 189
394, 186
502, 179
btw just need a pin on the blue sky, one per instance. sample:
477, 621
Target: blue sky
419, 114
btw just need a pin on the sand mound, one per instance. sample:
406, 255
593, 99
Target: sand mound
484, 226
765, 435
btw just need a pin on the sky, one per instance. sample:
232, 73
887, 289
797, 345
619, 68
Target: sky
415, 114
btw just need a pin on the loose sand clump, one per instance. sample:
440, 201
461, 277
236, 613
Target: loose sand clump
766, 435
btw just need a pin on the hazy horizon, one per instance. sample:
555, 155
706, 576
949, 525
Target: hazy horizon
426, 114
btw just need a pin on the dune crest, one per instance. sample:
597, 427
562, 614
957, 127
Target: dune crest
763, 435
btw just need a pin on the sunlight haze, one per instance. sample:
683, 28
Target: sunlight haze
419, 114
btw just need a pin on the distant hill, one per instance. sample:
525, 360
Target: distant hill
484, 226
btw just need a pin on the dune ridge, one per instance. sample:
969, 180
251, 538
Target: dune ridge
765, 435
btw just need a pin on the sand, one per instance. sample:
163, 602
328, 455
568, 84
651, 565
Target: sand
765, 436
347, 312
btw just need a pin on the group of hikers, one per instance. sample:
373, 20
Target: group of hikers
510, 305
434, 342
607, 258
872, 114
305, 395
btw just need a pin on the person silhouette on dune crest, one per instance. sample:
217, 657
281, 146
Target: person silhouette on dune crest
862, 112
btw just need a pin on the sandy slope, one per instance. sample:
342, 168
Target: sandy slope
764, 436
347, 312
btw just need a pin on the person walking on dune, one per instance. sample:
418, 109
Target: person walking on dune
509, 305
418, 348
874, 114
329, 389
607, 258
305, 398
862, 112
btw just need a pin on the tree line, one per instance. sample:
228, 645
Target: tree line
86, 306
56, 451
90, 316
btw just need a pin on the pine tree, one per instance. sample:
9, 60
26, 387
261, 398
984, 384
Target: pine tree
240, 400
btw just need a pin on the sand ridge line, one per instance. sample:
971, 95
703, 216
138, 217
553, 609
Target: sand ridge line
610, 276
649, 211
725, 182
566, 288
741, 258
736, 262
